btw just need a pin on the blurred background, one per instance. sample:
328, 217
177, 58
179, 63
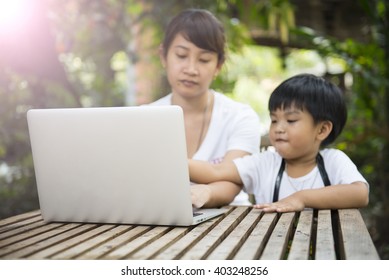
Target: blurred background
88, 53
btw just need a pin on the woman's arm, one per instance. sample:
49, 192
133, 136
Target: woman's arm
355, 195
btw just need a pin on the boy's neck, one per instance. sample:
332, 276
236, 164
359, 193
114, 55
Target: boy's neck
300, 167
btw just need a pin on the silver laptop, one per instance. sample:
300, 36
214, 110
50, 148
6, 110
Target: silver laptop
113, 165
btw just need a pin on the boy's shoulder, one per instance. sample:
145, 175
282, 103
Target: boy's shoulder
272, 156
269, 158
332, 152
327, 154
263, 157
334, 156
265, 161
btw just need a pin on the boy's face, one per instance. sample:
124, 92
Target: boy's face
294, 134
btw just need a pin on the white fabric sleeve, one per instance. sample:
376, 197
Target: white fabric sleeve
340, 168
245, 131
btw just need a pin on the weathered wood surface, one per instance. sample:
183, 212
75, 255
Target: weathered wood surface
242, 233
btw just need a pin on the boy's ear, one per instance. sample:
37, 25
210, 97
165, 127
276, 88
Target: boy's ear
325, 128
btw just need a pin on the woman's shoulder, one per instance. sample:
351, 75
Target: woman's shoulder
227, 106
226, 101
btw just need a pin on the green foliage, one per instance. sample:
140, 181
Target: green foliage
249, 76
366, 135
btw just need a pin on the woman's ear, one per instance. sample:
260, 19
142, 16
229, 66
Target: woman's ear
217, 71
324, 129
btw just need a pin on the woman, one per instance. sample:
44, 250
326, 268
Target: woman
217, 128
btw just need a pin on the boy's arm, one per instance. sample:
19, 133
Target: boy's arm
214, 195
203, 172
355, 195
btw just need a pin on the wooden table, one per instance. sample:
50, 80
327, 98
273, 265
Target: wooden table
242, 233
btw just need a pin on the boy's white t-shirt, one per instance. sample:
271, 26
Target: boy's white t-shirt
233, 126
259, 172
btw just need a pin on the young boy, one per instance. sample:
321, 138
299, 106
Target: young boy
307, 113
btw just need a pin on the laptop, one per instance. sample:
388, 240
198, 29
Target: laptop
125, 165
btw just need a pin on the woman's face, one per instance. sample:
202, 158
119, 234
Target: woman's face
190, 70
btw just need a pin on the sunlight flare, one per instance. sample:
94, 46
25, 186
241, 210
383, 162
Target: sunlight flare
13, 12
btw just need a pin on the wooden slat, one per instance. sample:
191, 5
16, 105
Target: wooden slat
276, 247
19, 226
252, 248
46, 239
205, 246
65, 240
176, 250
357, 242
83, 243
104, 249
301, 245
243, 233
23, 227
229, 246
124, 251
18, 242
325, 243
26, 239
18, 218
157, 246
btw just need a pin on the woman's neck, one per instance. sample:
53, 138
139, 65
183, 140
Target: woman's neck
197, 117
193, 105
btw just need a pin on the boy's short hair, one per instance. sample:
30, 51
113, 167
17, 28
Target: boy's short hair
321, 98
201, 28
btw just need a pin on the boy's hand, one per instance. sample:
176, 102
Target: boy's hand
291, 203
200, 194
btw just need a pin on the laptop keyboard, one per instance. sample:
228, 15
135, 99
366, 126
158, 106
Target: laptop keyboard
196, 214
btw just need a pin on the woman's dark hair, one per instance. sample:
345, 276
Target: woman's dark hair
201, 28
322, 99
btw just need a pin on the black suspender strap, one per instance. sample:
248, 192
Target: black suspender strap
278, 181
322, 170
320, 166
